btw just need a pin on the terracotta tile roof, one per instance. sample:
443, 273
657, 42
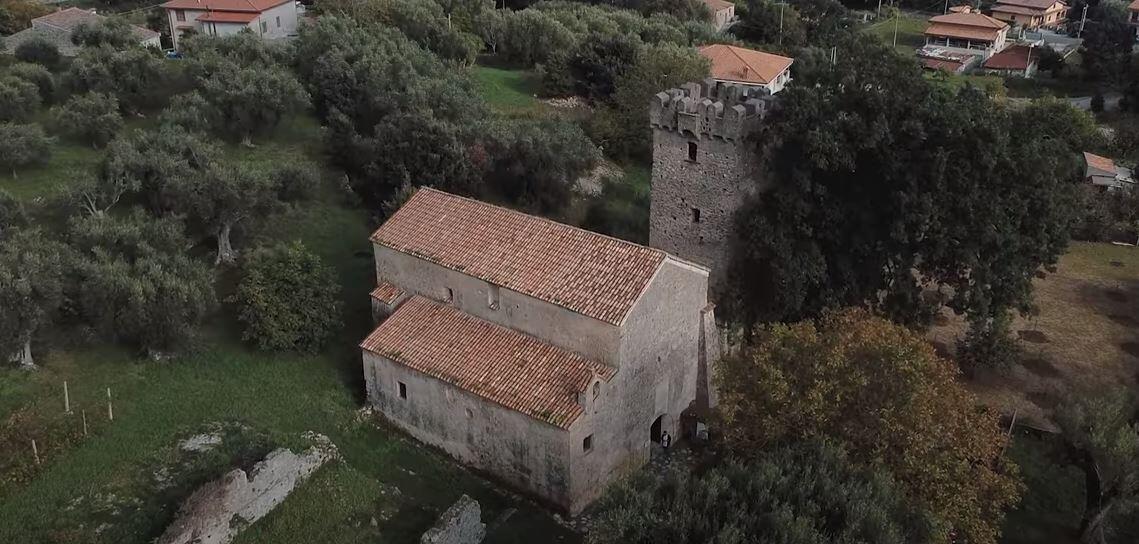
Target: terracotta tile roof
67, 19
962, 32
717, 5
979, 20
225, 5
588, 273
948, 65
733, 63
1016, 57
1134, 6
229, 17
1039, 6
386, 292
1017, 10
499, 364
1098, 162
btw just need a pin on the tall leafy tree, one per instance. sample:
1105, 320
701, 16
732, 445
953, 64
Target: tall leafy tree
137, 283
38, 50
879, 390
23, 145
246, 100
31, 290
37, 75
114, 32
765, 21
131, 75
1103, 426
807, 493
149, 162
288, 299
895, 176
93, 118
535, 163
223, 198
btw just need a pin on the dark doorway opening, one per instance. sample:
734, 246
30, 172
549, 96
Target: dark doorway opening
654, 431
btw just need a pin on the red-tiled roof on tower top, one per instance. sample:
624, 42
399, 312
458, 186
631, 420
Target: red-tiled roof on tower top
225, 5
733, 63
500, 364
588, 273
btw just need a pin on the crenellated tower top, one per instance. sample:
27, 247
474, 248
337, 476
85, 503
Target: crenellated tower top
712, 109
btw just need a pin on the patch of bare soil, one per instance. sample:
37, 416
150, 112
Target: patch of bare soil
1033, 336
1041, 367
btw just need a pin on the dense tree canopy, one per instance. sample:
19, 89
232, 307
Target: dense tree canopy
136, 281
878, 390
131, 75
248, 100
895, 176
23, 145
221, 198
535, 163
19, 99
808, 493
38, 50
37, 75
288, 299
92, 118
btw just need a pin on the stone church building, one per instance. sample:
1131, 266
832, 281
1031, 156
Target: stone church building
545, 355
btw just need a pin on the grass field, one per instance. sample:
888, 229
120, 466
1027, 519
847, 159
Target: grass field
509, 92
1084, 337
910, 29
103, 488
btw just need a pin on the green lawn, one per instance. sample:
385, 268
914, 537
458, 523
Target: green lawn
509, 92
102, 488
910, 29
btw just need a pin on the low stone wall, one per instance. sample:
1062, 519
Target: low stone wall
460, 524
220, 509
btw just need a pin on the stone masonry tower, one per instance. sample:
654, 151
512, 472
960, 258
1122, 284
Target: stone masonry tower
704, 168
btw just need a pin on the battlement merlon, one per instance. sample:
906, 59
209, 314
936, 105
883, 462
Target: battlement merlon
711, 109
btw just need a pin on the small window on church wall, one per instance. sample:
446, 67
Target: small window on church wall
587, 444
692, 151
492, 295
596, 389
402, 390
695, 215
449, 294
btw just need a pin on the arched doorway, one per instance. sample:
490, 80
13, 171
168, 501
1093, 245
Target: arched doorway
654, 431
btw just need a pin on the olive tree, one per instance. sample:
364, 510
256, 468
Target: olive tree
93, 118
31, 290
23, 145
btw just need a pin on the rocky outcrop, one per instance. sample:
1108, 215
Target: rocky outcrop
218, 510
460, 524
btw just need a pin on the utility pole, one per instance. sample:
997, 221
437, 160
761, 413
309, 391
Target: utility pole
879, 10
781, 6
1083, 21
895, 30
946, 10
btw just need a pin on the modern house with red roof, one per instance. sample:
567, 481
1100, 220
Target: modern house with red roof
1133, 13
1016, 60
1031, 14
270, 19
968, 32
549, 356
731, 64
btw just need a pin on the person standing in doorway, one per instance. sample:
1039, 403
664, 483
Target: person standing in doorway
665, 441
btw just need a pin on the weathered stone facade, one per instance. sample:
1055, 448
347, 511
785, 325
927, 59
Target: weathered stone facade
654, 355
704, 167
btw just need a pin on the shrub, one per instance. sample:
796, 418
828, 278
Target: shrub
988, 345
296, 182
38, 51
287, 299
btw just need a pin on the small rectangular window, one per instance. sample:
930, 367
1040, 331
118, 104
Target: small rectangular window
180, 15
450, 294
264, 26
278, 22
692, 151
402, 390
492, 296
587, 444
695, 215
